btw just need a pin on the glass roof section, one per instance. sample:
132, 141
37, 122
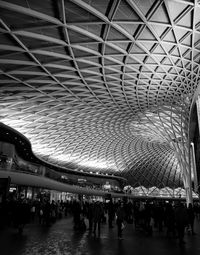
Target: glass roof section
102, 86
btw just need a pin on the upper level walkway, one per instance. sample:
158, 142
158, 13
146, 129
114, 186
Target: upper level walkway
61, 239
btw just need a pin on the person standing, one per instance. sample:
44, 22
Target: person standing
111, 214
181, 220
97, 217
22, 214
120, 216
170, 220
90, 215
76, 211
191, 216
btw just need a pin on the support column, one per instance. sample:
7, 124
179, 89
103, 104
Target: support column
193, 159
187, 185
186, 174
198, 111
198, 118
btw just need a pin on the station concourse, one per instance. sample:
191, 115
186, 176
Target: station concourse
99, 106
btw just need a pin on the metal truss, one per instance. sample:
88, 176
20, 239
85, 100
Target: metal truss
103, 86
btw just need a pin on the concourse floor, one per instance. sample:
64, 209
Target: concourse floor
61, 239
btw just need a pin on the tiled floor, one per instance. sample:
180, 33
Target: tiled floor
61, 239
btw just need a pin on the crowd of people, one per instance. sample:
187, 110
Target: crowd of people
19, 212
172, 218
175, 219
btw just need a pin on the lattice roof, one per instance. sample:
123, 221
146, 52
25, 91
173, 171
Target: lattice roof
102, 85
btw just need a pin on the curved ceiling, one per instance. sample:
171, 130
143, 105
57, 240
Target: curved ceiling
102, 86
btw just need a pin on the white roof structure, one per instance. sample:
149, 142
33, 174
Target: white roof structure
102, 85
